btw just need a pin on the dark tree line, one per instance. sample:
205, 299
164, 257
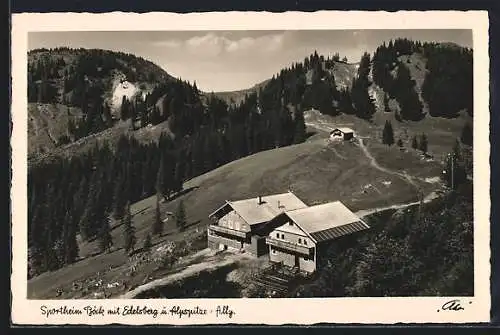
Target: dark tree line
447, 87
399, 86
362, 102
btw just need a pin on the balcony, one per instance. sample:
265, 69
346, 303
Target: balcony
225, 241
301, 249
228, 231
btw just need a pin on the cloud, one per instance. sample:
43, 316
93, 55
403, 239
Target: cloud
208, 45
214, 44
167, 44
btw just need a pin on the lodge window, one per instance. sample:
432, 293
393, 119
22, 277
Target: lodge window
282, 236
277, 235
300, 241
305, 241
273, 251
290, 223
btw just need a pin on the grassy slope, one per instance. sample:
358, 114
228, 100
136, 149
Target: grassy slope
45, 127
108, 136
47, 123
344, 74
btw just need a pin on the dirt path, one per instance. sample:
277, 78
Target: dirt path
366, 212
210, 262
373, 162
337, 153
324, 126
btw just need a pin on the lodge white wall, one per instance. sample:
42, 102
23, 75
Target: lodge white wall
291, 234
233, 221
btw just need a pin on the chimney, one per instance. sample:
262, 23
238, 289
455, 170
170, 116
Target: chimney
260, 200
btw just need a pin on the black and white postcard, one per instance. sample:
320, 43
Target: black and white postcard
258, 168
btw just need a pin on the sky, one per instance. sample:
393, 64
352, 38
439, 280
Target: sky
233, 60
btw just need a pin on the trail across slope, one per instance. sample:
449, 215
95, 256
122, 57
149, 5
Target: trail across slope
373, 162
370, 211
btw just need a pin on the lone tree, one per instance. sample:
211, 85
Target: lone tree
157, 223
466, 137
423, 143
128, 231
387, 109
388, 134
414, 143
147, 244
180, 216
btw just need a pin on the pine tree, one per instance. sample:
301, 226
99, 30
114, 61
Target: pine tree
119, 198
157, 228
86, 222
457, 150
179, 172
387, 109
124, 109
300, 127
423, 143
362, 101
71, 244
388, 134
104, 235
128, 231
147, 244
180, 216
414, 143
403, 90
466, 136
160, 178
400, 143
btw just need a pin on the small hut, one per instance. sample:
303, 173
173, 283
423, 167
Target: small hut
344, 134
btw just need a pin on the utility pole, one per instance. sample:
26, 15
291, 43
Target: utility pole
452, 171
420, 201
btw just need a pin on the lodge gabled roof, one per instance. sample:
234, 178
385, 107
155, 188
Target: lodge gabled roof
255, 212
343, 130
327, 221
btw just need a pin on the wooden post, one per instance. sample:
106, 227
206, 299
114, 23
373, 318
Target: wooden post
452, 171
